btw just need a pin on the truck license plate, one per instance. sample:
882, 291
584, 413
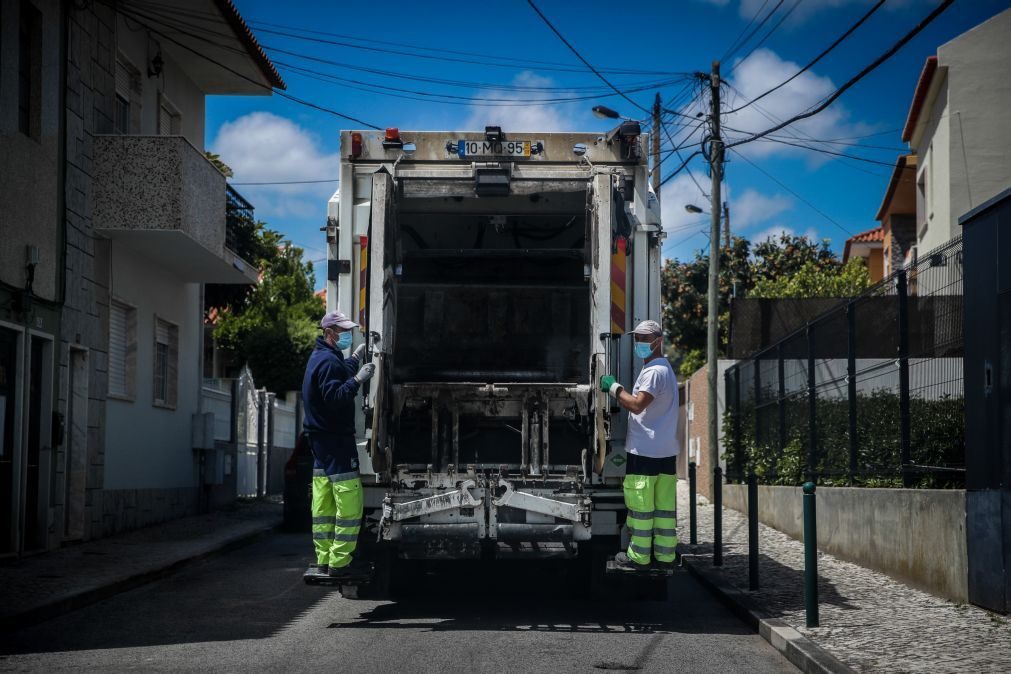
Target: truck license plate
493, 148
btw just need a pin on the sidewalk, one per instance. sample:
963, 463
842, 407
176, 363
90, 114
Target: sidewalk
869, 622
40, 587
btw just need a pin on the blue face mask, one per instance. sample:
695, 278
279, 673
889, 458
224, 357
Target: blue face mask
343, 341
643, 350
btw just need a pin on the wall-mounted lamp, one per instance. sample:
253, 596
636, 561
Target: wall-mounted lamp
155, 67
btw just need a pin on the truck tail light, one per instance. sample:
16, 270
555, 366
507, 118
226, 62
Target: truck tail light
392, 139
356, 145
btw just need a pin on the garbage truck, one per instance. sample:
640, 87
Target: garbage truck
495, 276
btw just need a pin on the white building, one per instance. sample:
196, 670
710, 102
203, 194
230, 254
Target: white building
111, 222
959, 126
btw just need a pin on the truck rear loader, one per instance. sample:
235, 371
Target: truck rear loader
495, 276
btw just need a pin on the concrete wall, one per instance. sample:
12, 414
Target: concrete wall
914, 535
174, 84
149, 446
30, 169
979, 105
933, 218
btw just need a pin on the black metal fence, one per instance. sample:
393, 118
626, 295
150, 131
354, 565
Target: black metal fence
238, 215
869, 393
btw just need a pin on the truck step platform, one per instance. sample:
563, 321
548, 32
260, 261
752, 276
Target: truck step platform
650, 572
311, 578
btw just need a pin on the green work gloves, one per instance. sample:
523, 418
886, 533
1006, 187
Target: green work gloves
608, 384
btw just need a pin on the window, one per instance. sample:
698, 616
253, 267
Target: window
168, 118
123, 77
166, 363
29, 70
122, 350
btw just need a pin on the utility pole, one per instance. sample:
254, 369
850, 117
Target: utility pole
726, 225
712, 363
656, 146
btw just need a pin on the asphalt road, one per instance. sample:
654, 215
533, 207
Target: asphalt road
249, 610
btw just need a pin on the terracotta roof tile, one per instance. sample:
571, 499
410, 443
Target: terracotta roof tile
870, 236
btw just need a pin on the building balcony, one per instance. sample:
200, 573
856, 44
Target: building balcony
161, 197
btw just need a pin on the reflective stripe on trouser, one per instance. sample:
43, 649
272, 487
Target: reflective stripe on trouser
651, 500
336, 519
639, 501
665, 537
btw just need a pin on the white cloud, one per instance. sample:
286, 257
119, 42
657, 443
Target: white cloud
263, 147
674, 196
531, 117
765, 70
753, 207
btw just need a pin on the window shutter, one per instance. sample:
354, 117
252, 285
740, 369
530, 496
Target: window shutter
164, 121
172, 387
123, 80
117, 349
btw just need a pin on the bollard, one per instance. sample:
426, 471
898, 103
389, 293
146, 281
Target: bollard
752, 531
693, 532
718, 516
810, 556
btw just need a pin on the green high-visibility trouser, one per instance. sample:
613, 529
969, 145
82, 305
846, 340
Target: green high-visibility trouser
651, 502
336, 517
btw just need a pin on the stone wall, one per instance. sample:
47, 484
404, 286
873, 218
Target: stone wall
90, 78
914, 535
127, 509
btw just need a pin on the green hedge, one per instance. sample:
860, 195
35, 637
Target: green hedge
937, 438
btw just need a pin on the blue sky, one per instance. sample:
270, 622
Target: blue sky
272, 139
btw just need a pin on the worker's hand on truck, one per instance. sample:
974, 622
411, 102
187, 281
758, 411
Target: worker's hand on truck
365, 373
359, 352
608, 384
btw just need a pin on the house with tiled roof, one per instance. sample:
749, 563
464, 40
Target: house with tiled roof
867, 246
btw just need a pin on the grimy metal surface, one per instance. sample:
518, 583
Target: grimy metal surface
432, 146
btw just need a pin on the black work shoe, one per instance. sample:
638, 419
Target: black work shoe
353, 570
622, 560
665, 566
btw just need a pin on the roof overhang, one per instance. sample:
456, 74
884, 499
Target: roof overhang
919, 97
904, 170
211, 42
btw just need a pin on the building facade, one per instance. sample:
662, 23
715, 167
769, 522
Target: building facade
958, 128
108, 240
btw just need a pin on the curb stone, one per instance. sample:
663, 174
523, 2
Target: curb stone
73, 602
798, 649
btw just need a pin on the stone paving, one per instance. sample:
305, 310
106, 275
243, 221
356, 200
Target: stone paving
45, 580
869, 621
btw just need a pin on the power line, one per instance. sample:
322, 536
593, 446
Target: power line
681, 167
533, 62
856, 78
733, 45
758, 27
288, 182
580, 57
450, 59
767, 35
771, 139
791, 191
817, 58
277, 92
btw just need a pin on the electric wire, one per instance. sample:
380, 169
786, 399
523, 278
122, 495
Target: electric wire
734, 45
816, 59
852, 81
580, 57
766, 36
794, 193
756, 28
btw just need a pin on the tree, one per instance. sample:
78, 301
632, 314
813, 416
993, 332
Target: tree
273, 327
215, 159
811, 280
783, 266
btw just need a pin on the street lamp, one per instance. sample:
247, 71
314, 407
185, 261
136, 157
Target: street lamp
692, 208
604, 112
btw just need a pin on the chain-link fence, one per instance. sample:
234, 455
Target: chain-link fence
870, 393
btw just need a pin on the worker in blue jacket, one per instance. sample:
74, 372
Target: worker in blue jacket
328, 392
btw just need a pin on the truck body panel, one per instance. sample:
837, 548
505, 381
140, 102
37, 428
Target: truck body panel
496, 278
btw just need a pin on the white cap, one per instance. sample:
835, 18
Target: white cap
651, 328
